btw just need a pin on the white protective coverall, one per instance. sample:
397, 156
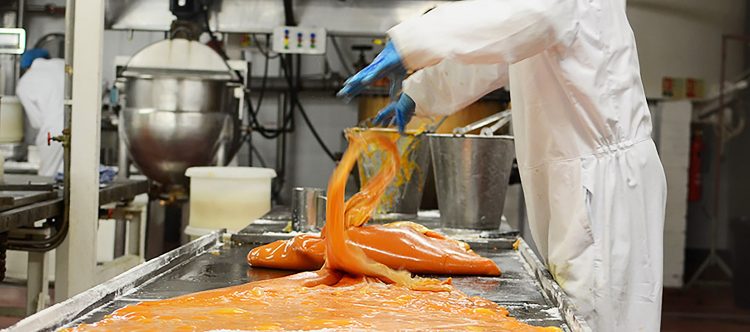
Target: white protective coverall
594, 185
41, 91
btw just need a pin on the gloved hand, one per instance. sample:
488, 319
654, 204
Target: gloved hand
388, 62
30, 55
398, 113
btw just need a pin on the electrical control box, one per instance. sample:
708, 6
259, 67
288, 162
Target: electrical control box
299, 40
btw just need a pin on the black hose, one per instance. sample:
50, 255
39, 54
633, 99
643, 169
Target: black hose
289, 13
315, 132
288, 124
344, 63
264, 80
259, 156
218, 49
42, 245
264, 50
256, 126
298, 104
287, 117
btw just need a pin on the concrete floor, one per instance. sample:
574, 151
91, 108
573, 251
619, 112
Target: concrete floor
12, 303
701, 308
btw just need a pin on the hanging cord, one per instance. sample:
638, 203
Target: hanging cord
288, 124
264, 50
264, 80
289, 13
267, 133
219, 49
259, 156
296, 102
340, 55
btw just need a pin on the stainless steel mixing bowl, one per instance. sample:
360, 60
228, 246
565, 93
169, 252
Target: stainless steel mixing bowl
172, 123
180, 109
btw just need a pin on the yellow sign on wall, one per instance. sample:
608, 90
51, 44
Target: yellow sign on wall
682, 88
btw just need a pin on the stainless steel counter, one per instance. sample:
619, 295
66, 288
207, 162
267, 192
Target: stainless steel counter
525, 287
26, 215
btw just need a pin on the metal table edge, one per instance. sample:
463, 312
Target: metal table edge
59, 314
551, 289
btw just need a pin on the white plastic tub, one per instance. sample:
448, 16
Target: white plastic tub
11, 120
228, 197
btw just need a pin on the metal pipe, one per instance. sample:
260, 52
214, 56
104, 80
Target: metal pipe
123, 161
16, 59
37, 282
249, 149
719, 144
481, 123
3, 253
713, 257
20, 13
134, 234
120, 237
720, 133
61, 279
68, 92
280, 141
77, 263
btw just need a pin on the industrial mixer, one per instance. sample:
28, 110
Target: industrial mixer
182, 107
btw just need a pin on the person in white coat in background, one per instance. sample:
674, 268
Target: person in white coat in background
40, 90
594, 185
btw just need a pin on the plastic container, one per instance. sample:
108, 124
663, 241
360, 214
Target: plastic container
11, 120
403, 196
228, 197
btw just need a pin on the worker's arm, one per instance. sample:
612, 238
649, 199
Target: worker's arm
485, 31
450, 85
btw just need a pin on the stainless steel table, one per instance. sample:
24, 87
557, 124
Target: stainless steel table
21, 217
213, 261
26, 215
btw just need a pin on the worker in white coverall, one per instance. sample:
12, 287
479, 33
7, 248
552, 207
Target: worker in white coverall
40, 90
594, 185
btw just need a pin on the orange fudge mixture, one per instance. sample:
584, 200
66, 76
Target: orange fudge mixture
401, 246
354, 290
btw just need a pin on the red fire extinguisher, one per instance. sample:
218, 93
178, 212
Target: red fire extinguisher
694, 171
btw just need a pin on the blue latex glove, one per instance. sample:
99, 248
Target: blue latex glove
30, 55
398, 113
388, 62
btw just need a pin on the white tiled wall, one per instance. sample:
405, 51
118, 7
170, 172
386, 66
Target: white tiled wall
673, 140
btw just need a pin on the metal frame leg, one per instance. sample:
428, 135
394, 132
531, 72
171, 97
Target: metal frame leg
76, 268
133, 231
37, 283
120, 237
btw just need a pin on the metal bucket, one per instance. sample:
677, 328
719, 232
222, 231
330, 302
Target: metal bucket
403, 196
471, 177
